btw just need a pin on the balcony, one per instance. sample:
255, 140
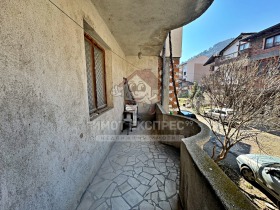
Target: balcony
229, 57
162, 168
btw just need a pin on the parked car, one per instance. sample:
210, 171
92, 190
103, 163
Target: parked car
263, 169
188, 114
219, 114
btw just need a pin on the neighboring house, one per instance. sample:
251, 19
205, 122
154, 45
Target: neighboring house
61, 63
262, 46
193, 70
231, 51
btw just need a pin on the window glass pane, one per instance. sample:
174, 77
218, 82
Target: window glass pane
90, 84
269, 42
277, 40
246, 46
99, 76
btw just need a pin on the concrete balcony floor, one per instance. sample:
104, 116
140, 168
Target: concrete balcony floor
135, 175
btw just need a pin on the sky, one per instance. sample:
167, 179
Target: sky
226, 19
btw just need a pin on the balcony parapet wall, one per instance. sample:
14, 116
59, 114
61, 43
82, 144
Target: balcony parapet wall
203, 185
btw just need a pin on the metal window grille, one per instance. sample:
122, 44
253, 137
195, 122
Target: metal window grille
95, 68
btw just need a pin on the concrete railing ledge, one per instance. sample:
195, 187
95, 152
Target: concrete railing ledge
203, 185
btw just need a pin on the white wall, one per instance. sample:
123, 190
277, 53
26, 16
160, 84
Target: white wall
232, 49
176, 40
195, 69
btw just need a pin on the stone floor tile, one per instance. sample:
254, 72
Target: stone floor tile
103, 206
128, 168
132, 197
108, 193
128, 173
162, 156
146, 206
150, 155
161, 167
143, 158
151, 170
120, 179
160, 178
153, 188
124, 187
153, 181
142, 189
154, 197
174, 202
146, 175
170, 188
169, 164
165, 205
151, 163
139, 164
159, 184
134, 183
119, 203
160, 160
162, 196
131, 159
116, 193
138, 170
172, 176
143, 180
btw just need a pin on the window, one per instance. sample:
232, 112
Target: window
95, 67
243, 46
272, 41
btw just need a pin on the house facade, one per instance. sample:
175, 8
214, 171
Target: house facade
231, 51
62, 65
262, 46
193, 70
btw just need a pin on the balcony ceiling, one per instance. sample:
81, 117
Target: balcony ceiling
143, 24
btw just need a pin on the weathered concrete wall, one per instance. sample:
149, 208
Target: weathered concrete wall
49, 148
175, 125
203, 185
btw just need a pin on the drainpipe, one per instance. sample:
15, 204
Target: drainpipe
162, 74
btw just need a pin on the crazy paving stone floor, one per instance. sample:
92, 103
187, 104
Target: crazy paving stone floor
135, 175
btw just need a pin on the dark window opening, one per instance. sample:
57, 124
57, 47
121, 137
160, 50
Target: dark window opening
272, 41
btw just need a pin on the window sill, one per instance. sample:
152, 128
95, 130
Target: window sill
98, 113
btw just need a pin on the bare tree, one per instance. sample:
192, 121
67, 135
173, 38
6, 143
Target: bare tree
251, 89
